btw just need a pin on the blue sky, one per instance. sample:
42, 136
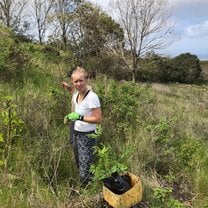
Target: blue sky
191, 27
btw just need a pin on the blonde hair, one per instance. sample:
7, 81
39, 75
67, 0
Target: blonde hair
80, 70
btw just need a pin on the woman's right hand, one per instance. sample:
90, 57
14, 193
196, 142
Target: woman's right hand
66, 85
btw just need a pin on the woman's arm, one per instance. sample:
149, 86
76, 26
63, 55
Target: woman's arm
95, 118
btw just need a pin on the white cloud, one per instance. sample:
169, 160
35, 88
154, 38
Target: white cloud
198, 29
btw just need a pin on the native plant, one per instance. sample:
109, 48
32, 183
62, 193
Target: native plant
11, 127
107, 163
163, 199
120, 104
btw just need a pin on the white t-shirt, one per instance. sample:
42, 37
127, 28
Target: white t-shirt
84, 108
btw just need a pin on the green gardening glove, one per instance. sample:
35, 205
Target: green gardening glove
72, 117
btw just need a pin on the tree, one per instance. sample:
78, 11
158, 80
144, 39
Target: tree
40, 12
146, 27
93, 31
187, 68
63, 17
11, 12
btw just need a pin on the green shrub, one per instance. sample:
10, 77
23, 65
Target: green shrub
11, 128
107, 163
120, 104
153, 69
14, 59
163, 199
186, 68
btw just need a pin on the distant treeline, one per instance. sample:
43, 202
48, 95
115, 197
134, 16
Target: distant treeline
17, 52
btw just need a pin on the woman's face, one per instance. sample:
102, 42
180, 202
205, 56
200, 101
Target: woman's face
79, 80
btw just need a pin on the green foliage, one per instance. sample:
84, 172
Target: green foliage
14, 59
59, 101
162, 138
120, 103
187, 68
11, 127
10, 119
185, 151
98, 132
163, 199
5, 45
97, 30
153, 68
173, 153
107, 163
184, 68
52, 54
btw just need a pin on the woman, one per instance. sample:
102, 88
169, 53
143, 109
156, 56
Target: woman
87, 113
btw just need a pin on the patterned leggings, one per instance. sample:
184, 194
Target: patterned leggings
83, 152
